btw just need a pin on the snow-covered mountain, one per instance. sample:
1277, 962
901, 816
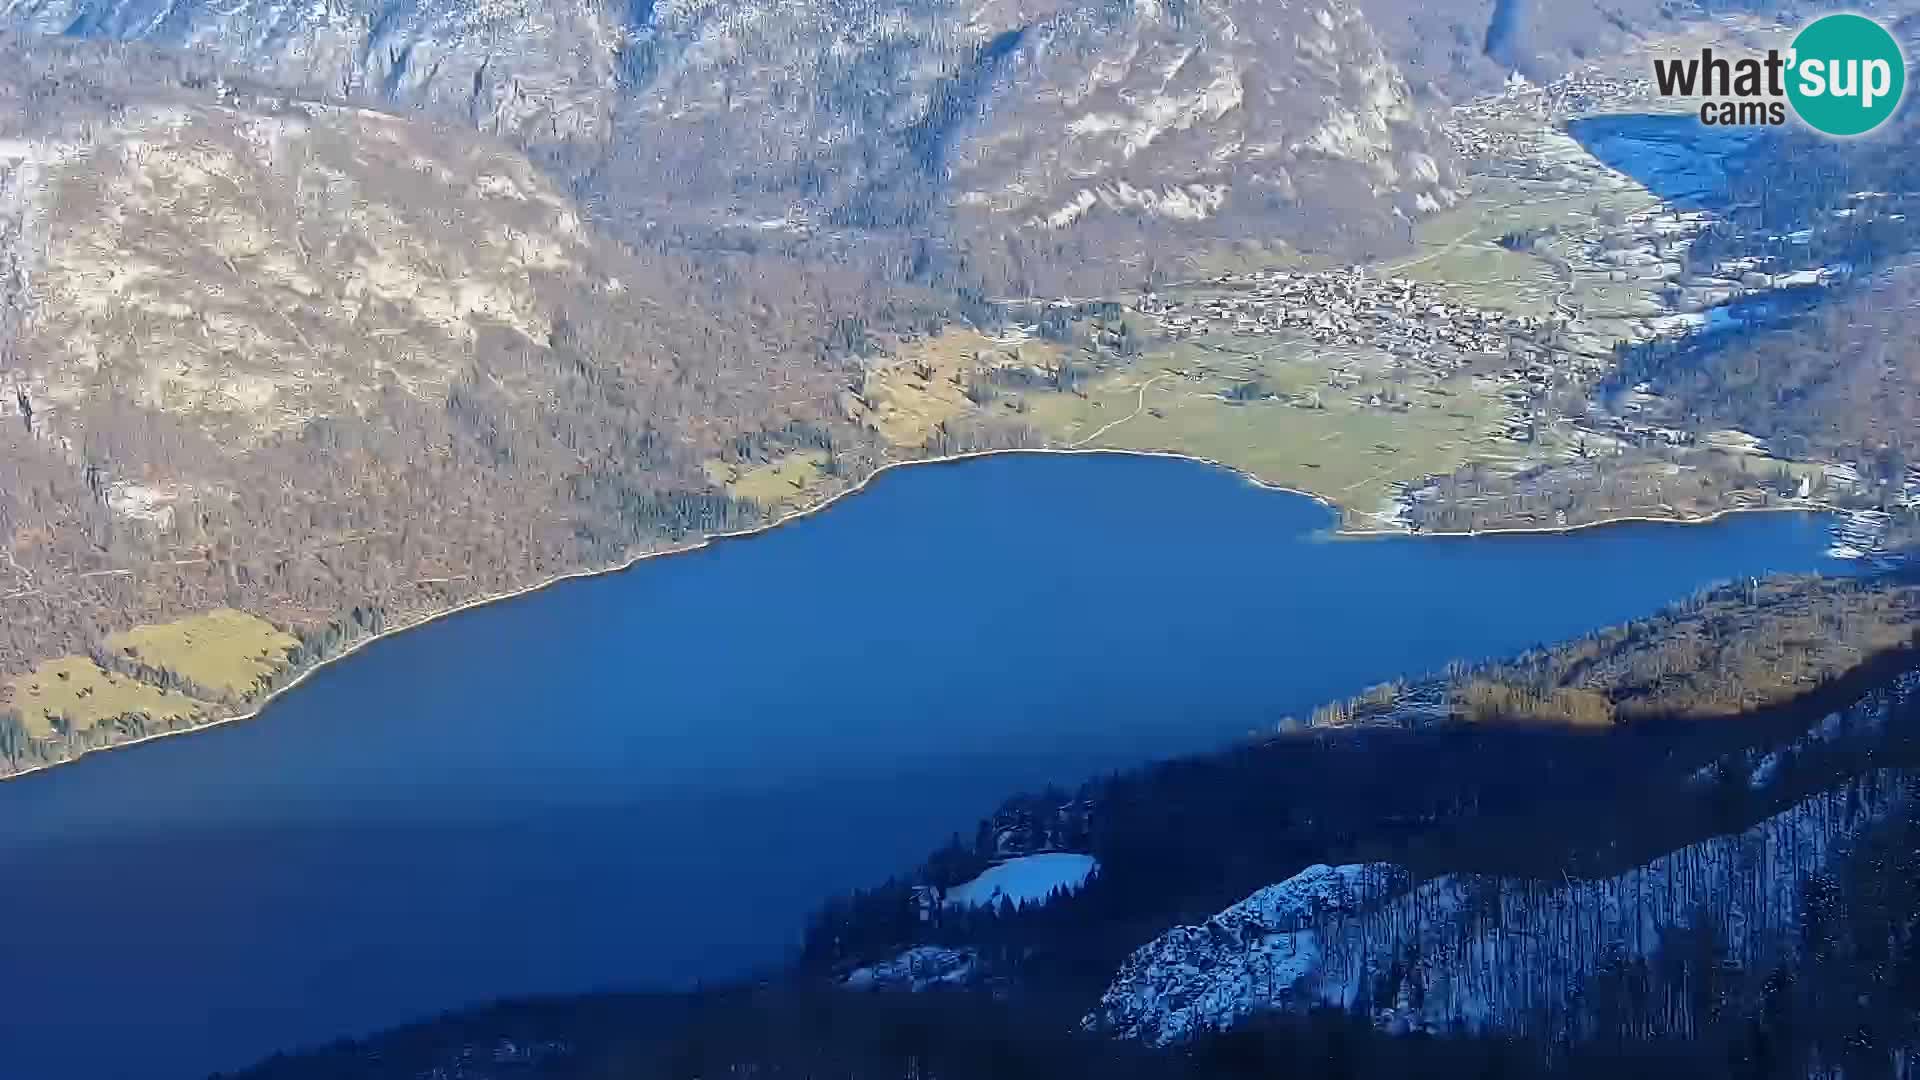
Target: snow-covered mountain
1512, 954
1482, 951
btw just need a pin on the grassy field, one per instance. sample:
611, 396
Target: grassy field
1460, 248
224, 650
924, 384
79, 693
1311, 436
777, 483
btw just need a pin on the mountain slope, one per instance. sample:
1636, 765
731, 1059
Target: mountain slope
337, 369
1203, 119
541, 70
1210, 121
268, 305
1485, 951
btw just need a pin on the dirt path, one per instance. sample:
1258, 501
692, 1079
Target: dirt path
1447, 249
1139, 407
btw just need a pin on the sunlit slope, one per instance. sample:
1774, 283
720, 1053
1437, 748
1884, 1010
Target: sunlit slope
335, 369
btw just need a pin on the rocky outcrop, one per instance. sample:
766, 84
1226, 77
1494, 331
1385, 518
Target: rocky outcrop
511, 67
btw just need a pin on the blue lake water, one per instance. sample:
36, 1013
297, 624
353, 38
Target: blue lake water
652, 777
1677, 157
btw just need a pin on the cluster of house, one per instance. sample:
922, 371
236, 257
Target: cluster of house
1579, 93
1339, 308
1524, 388
1474, 128
1475, 140
1608, 430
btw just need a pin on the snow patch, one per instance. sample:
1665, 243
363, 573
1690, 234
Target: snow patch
142, 502
1711, 321
1030, 878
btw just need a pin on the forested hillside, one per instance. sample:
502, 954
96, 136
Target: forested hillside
339, 370
1830, 374
1626, 956
1842, 998
1724, 652
1435, 778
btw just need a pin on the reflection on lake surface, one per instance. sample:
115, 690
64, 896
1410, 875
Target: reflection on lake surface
653, 776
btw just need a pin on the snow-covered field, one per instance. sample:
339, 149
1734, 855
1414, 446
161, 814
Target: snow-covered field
1028, 878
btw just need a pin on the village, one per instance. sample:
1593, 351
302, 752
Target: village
1594, 275
1481, 128
1413, 325
1339, 308
1531, 360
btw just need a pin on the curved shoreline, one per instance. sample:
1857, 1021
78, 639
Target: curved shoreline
1626, 519
1339, 532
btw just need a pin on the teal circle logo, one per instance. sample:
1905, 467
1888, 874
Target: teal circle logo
1846, 74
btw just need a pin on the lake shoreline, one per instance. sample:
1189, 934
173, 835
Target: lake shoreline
1340, 531
1552, 530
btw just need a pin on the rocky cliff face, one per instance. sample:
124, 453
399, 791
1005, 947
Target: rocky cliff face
1116, 122
537, 70
1251, 120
